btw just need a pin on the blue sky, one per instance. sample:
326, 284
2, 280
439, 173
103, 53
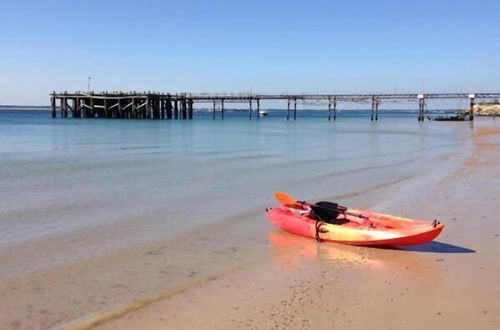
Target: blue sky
238, 46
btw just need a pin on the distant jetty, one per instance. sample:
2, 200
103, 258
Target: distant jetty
148, 105
485, 109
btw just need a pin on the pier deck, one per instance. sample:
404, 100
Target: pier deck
147, 105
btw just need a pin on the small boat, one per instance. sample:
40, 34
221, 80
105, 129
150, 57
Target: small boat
263, 113
349, 226
458, 117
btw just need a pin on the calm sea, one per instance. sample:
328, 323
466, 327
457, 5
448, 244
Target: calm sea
77, 188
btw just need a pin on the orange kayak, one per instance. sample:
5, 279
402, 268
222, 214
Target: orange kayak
358, 227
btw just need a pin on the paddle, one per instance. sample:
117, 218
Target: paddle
288, 200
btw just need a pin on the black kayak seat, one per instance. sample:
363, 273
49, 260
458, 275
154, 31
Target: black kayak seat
328, 212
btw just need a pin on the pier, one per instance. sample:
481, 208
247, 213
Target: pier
150, 105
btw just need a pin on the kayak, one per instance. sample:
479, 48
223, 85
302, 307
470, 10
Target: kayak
356, 228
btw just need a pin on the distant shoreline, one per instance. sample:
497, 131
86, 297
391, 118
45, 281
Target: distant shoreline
24, 107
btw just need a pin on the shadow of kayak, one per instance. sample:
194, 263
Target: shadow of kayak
431, 247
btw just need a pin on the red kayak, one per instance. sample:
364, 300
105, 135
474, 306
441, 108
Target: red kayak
351, 226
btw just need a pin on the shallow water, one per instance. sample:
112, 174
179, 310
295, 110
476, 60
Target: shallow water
72, 189
100, 214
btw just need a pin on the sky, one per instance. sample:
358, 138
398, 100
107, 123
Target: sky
247, 46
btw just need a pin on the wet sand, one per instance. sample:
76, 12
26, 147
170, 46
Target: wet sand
448, 284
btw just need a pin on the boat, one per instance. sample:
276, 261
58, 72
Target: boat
458, 116
350, 226
450, 118
263, 113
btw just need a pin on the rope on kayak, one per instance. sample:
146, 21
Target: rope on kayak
319, 224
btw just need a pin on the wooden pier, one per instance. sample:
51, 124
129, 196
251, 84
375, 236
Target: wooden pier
149, 105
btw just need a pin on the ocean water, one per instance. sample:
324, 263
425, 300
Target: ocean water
98, 214
73, 189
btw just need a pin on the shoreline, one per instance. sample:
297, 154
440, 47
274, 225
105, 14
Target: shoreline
300, 287
26, 108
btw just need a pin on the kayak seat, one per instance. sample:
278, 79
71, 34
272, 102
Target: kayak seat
327, 212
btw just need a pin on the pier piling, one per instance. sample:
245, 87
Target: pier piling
169, 107
329, 109
373, 109
53, 106
421, 107
294, 108
64, 107
190, 109
76, 105
258, 109
471, 106
222, 109
213, 111
288, 110
334, 109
